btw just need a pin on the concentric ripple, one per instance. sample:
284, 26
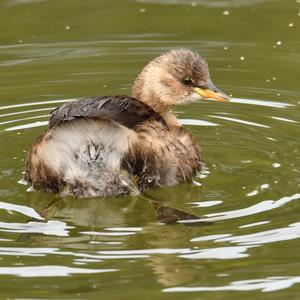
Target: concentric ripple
237, 234
57, 225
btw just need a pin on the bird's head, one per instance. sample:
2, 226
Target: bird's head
176, 77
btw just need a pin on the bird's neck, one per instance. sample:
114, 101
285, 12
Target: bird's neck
150, 92
156, 104
170, 119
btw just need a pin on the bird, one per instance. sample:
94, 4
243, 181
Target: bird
109, 146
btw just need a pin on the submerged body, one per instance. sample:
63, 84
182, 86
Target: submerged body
117, 145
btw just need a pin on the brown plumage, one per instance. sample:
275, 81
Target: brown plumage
117, 145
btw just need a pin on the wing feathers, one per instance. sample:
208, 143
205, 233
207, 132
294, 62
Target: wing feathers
122, 109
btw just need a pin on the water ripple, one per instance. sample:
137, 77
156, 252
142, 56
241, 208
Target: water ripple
96, 233
264, 237
268, 284
49, 271
207, 3
254, 209
218, 253
261, 103
197, 122
26, 126
25, 210
56, 228
240, 121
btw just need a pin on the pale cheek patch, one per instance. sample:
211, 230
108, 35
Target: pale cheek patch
191, 98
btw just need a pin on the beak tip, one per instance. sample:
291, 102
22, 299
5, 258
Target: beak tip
225, 97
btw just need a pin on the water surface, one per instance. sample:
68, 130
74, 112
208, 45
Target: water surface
239, 234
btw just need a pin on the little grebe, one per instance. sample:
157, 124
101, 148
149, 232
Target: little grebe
114, 145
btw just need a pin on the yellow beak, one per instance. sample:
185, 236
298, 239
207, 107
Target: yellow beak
209, 94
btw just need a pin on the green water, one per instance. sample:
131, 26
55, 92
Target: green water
245, 244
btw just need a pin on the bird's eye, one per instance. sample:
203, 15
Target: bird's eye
187, 81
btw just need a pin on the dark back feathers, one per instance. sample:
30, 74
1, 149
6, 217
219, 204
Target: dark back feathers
124, 110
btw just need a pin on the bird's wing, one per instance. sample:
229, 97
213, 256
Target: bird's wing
124, 110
